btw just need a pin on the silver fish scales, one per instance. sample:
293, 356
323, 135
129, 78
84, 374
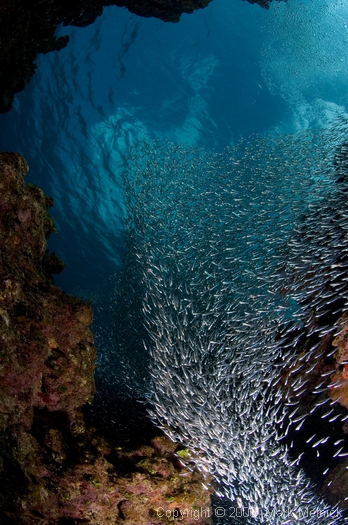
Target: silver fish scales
235, 252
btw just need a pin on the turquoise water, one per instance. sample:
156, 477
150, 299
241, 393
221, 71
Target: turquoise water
222, 73
230, 72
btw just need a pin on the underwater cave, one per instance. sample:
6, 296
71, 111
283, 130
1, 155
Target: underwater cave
196, 175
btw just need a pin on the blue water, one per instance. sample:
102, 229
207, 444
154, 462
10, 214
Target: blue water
223, 73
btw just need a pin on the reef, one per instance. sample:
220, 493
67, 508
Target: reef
54, 467
28, 28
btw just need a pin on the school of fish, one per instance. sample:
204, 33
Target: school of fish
237, 253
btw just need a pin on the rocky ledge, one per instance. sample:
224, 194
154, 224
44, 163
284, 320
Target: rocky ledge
55, 469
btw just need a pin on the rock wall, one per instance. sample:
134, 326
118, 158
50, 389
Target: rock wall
47, 348
53, 468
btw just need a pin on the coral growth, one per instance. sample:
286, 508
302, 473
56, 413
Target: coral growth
54, 469
47, 349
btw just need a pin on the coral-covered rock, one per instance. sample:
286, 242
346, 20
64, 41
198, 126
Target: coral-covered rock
339, 382
321, 406
336, 487
47, 354
55, 476
53, 469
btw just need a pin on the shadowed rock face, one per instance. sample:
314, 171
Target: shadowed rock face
47, 348
167, 10
54, 469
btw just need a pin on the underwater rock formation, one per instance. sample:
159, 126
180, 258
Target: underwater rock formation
54, 468
47, 349
242, 259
